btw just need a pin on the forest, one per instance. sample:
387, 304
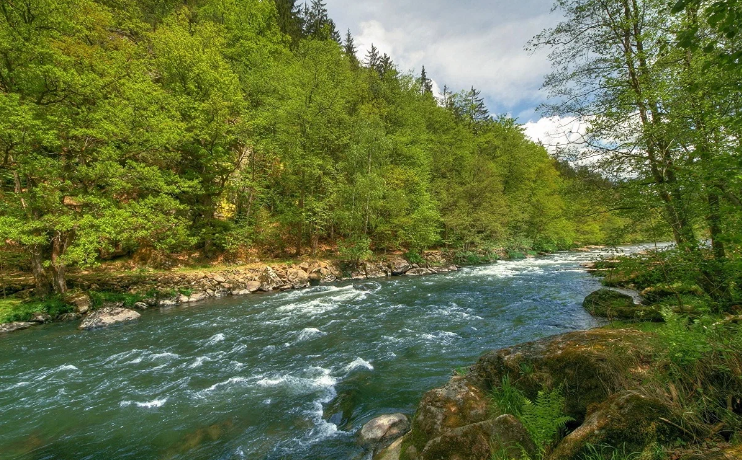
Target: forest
245, 128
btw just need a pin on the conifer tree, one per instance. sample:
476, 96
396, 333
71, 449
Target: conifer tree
426, 85
372, 58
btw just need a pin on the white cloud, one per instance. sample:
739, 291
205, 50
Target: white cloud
557, 133
461, 44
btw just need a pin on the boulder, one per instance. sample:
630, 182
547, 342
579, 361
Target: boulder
392, 452
608, 303
591, 365
504, 436
628, 419
375, 270
41, 318
194, 297
168, 302
81, 302
382, 431
108, 316
141, 305
420, 272
457, 404
399, 266
297, 278
269, 280
15, 326
69, 317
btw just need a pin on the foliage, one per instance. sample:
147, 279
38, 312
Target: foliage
544, 417
244, 127
355, 251
507, 399
12, 309
609, 453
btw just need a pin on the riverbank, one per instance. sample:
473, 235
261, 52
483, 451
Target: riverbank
643, 389
143, 289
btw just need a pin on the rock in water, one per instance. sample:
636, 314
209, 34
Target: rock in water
382, 431
107, 316
16, 326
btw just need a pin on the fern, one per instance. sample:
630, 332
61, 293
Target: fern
544, 417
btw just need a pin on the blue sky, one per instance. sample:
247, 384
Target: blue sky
460, 43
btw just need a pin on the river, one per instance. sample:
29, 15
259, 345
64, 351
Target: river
291, 375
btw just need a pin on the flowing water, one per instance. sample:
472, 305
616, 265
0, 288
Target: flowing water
291, 375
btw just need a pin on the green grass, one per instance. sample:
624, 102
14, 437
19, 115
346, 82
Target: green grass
13, 309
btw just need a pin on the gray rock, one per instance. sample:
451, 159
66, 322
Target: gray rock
399, 266
108, 316
419, 272
141, 305
194, 297
382, 431
269, 280
297, 278
81, 302
69, 317
168, 302
41, 318
15, 326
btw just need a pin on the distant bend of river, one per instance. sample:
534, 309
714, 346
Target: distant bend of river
252, 377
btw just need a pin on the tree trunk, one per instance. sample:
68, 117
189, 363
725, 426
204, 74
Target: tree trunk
59, 246
43, 287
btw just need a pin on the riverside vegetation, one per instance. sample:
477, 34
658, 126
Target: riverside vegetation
145, 133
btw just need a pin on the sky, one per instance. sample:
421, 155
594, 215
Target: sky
463, 43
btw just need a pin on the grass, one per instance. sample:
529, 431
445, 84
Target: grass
13, 309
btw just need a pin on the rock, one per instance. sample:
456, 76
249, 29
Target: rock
141, 305
478, 441
375, 270
219, 279
591, 365
660, 292
269, 280
419, 272
399, 266
168, 302
392, 452
69, 317
457, 404
40, 318
15, 326
194, 297
382, 431
297, 278
107, 316
627, 419
611, 304
81, 302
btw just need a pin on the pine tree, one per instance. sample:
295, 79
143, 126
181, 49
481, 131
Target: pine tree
290, 18
473, 106
426, 85
372, 58
350, 48
386, 65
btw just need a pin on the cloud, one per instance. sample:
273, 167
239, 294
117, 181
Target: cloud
461, 44
557, 133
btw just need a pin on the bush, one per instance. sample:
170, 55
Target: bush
414, 258
355, 250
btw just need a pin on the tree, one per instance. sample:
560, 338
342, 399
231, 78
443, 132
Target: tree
426, 85
372, 58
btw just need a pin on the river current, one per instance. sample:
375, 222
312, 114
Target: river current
292, 375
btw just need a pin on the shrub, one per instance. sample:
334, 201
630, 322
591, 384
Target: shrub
544, 417
355, 250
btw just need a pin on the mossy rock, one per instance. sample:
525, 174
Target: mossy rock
607, 303
629, 419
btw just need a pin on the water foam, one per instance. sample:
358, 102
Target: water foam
309, 333
359, 363
155, 403
215, 339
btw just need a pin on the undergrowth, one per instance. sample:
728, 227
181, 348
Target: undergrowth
543, 417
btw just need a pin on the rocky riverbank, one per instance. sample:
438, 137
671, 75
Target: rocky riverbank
604, 375
128, 292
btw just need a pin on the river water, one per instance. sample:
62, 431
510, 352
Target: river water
292, 375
